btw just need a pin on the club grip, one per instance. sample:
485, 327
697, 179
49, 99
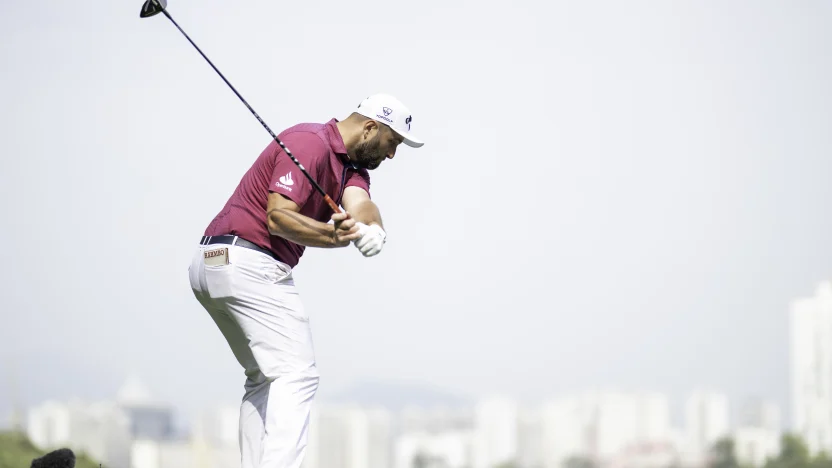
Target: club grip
331, 204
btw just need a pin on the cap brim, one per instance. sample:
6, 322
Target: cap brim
409, 139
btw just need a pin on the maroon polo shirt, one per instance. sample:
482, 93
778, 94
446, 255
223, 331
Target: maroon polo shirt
321, 151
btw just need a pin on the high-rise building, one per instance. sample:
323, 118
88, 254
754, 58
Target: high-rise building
530, 438
654, 424
349, 437
214, 438
760, 414
707, 419
608, 428
149, 418
50, 424
757, 435
495, 432
567, 429
811, 367
616, 424
379, 438
753, 445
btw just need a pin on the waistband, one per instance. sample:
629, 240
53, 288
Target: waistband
238, 241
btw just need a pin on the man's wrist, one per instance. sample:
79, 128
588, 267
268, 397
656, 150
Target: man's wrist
331, 235
380, 230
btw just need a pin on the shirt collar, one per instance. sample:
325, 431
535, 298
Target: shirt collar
336, 142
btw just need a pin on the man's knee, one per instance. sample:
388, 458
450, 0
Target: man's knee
307, 378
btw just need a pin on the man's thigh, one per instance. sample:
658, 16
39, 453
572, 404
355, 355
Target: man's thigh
268, 309
234, 336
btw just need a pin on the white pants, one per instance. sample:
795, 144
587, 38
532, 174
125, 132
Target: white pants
254, 303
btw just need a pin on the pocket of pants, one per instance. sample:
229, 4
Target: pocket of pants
220, 280
276, 273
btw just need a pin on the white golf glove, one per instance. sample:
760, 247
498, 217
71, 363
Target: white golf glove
372, 239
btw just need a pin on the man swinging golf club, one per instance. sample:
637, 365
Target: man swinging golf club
241, 272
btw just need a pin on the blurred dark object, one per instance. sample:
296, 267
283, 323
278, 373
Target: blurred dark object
61, 458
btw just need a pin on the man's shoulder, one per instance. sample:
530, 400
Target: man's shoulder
304, 139
307, 130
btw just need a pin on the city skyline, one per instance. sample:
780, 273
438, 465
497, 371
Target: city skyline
367, 429
393, 394
493, 431
388, 390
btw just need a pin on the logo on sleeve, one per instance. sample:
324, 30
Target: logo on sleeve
285, 182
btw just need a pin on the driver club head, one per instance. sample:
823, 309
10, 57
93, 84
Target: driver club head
153, 8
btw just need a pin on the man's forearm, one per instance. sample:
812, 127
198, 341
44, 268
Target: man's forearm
367, 213
300, 229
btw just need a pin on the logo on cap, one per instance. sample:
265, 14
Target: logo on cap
387, 111
407, 121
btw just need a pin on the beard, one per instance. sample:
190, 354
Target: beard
368, 154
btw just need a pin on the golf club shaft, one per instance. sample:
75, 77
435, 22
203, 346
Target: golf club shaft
327, 198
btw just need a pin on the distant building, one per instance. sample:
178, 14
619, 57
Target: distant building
348, 436
149, 419
150, 422
495, 432
435, 419
754, 445
609, 428
165, 454
50, 424
567, 429
530, 438
218, 426
101, 430
646, 455
707, 419
616, 425
214, 439
761, 414
653, 423
811, 367
107, 430
444, 449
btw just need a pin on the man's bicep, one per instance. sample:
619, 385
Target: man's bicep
278, 201
353, 197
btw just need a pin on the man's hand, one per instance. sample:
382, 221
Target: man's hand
346, 229
372, 239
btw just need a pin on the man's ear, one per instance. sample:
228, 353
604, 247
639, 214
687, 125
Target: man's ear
369, 129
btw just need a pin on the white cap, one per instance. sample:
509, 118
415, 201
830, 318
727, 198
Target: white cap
390, 111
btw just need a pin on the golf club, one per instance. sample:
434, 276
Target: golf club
153, 8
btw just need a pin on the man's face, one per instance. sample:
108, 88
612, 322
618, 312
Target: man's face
372, 152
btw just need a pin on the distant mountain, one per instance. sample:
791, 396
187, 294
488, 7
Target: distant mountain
395, 396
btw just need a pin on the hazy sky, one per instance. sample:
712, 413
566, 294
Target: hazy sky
615, 195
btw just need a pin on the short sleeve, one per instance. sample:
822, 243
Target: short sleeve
286, 178
360, 178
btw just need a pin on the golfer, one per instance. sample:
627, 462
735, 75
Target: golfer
241, 271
